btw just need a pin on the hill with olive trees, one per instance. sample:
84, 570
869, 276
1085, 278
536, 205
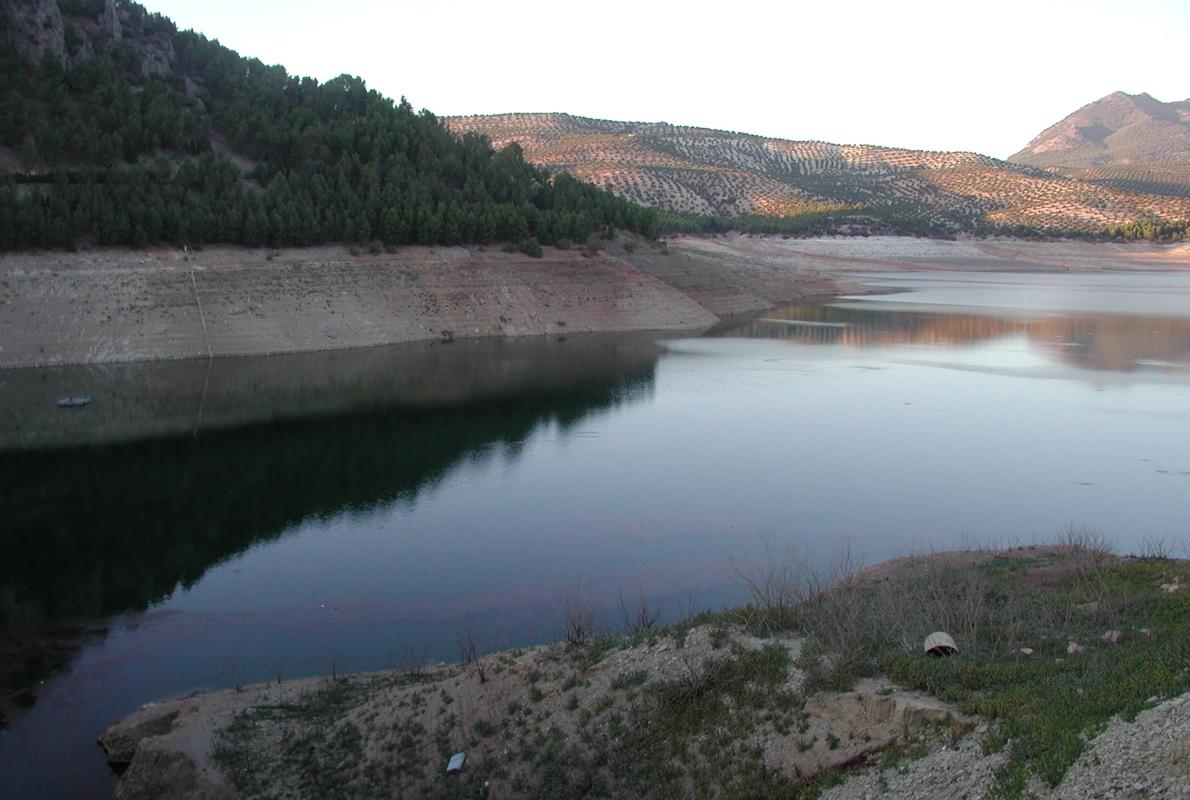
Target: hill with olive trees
709, 173
1132, 143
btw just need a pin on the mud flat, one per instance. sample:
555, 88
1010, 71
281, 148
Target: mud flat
110, 306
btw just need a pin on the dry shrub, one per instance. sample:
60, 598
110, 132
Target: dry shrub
468, 644
578, 617
850, 618
641, 617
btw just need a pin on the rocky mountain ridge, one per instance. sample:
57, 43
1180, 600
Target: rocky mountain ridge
1114, 130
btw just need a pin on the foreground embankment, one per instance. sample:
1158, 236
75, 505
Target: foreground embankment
108, 306
1070, 680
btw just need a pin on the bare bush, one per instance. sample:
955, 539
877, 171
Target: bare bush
413, 662
1092, 548
468, 645
578, 617
777, 584
692, 680
1157, 548
641, 617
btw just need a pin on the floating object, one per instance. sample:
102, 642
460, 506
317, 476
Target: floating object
73, 401
456, 763
940, 644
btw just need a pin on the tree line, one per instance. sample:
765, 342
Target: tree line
224, 149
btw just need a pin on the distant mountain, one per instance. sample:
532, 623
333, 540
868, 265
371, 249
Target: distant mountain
1115, 130
699, 171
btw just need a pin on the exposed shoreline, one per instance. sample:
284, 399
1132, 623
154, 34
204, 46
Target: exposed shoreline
115, 306
515, 712
112, 306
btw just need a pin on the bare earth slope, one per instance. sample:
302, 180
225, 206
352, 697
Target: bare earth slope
121, 305
702, 171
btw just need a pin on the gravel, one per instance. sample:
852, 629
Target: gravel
1147, 758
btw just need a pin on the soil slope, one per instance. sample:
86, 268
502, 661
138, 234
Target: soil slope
120, 305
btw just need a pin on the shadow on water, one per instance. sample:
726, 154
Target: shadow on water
241, 450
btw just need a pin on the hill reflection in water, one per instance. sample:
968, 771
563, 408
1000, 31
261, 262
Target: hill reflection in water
1099, 342
242, 450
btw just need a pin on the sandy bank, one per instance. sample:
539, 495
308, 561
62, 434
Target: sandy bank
120, 305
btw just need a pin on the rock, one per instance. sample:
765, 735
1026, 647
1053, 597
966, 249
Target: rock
164, 772
1073, 648
940, 643
120, 740
33, 28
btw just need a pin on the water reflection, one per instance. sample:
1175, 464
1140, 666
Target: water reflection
1112, 343
266, 511
242, 451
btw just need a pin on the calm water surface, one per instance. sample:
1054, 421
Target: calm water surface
207, 524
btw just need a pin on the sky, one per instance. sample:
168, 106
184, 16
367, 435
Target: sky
954, 75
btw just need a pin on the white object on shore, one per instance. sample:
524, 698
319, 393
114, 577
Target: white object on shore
940, 643
1112, 637
1073, 648
456, 762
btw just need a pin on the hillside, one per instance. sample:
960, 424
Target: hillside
1118, 129
706, 172
118, 129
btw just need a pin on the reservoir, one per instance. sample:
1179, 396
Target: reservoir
208, 524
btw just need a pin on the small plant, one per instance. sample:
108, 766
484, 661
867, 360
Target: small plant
641, 617
530, 247
627, 680
578, 617
469, 652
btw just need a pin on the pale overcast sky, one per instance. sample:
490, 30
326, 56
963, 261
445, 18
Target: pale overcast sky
949, 75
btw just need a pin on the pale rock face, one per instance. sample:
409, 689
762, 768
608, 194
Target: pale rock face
156, 57
33, 27
111, 20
